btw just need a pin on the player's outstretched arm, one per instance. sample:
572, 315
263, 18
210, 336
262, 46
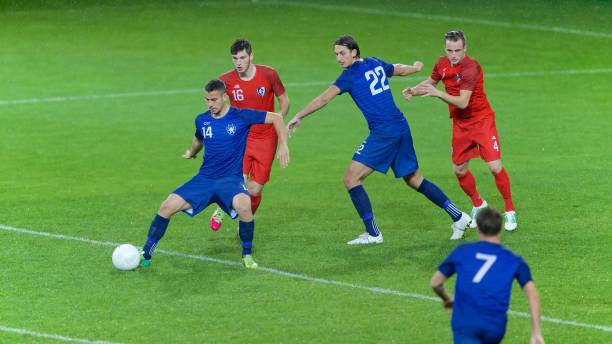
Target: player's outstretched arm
403, 70
534, 308
196, 147
437, 284
313, 106
276, 119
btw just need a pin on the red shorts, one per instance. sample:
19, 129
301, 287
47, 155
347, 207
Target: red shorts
475, 138
258, 159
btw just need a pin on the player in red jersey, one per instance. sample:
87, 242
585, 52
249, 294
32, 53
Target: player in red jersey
251, 86
474, 130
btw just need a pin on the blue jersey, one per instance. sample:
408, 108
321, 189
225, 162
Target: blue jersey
485, 272
367, 82
225, 140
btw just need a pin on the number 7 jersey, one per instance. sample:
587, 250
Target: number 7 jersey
367, 81
485, 272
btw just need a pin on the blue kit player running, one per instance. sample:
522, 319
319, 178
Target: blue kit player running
389, 143
223, 132
485, 272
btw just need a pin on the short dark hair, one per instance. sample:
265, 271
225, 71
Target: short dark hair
454, 36
349, 42
239, 45
489, 221
215, 85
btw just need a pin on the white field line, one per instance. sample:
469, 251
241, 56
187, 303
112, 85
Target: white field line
297, 276
289, 85
51, 336
436, 17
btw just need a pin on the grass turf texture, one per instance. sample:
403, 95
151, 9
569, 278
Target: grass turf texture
99, 169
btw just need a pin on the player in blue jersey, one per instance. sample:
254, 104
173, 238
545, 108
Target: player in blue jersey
222, 131
390, 141
485, 272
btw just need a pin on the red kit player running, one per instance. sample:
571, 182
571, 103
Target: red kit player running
474, 130
251, 86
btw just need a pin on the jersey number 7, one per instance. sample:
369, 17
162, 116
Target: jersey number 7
489, 260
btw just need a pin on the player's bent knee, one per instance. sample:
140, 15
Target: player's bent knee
495, 166
242, 206
172, 205
414, 180
460, 170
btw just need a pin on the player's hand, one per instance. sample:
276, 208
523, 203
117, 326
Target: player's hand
187, 155
407, 93
293, 124
425, 90
283, 155
537, 339
448, 306
418, 65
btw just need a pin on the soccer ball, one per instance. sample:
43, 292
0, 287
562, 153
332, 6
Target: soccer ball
126, 257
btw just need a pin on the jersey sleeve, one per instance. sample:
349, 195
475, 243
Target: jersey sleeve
198, 133
389, 68
469, 77
435, 76
344, 82
253, 116
447, 268
277, 85
523, 274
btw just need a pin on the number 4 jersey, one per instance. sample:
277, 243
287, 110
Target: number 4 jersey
367, 81
485, 272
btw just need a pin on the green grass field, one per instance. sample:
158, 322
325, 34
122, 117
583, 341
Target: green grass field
97, 102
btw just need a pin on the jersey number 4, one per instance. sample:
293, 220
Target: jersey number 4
489, 260
377, 74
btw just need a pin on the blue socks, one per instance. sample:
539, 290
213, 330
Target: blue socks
156, 232
437, 196
361, 201
246, 229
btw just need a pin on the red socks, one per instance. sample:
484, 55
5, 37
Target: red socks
468, 184
255, 201
503, 185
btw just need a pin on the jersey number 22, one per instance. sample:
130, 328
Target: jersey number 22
377, 74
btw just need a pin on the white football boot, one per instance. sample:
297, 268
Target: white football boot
510, 224
365, 238
475, 211
460, 226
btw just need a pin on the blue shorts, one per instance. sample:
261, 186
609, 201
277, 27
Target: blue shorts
380, 152
200, 192
477, 336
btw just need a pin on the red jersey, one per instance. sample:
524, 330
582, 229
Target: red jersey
467, 75
256, 94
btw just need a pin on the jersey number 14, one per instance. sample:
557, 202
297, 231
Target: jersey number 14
378, 74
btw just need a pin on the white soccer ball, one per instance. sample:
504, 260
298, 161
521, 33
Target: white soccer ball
126, 257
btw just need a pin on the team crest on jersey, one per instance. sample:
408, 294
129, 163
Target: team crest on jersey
458, 77
231, 129
261, 91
